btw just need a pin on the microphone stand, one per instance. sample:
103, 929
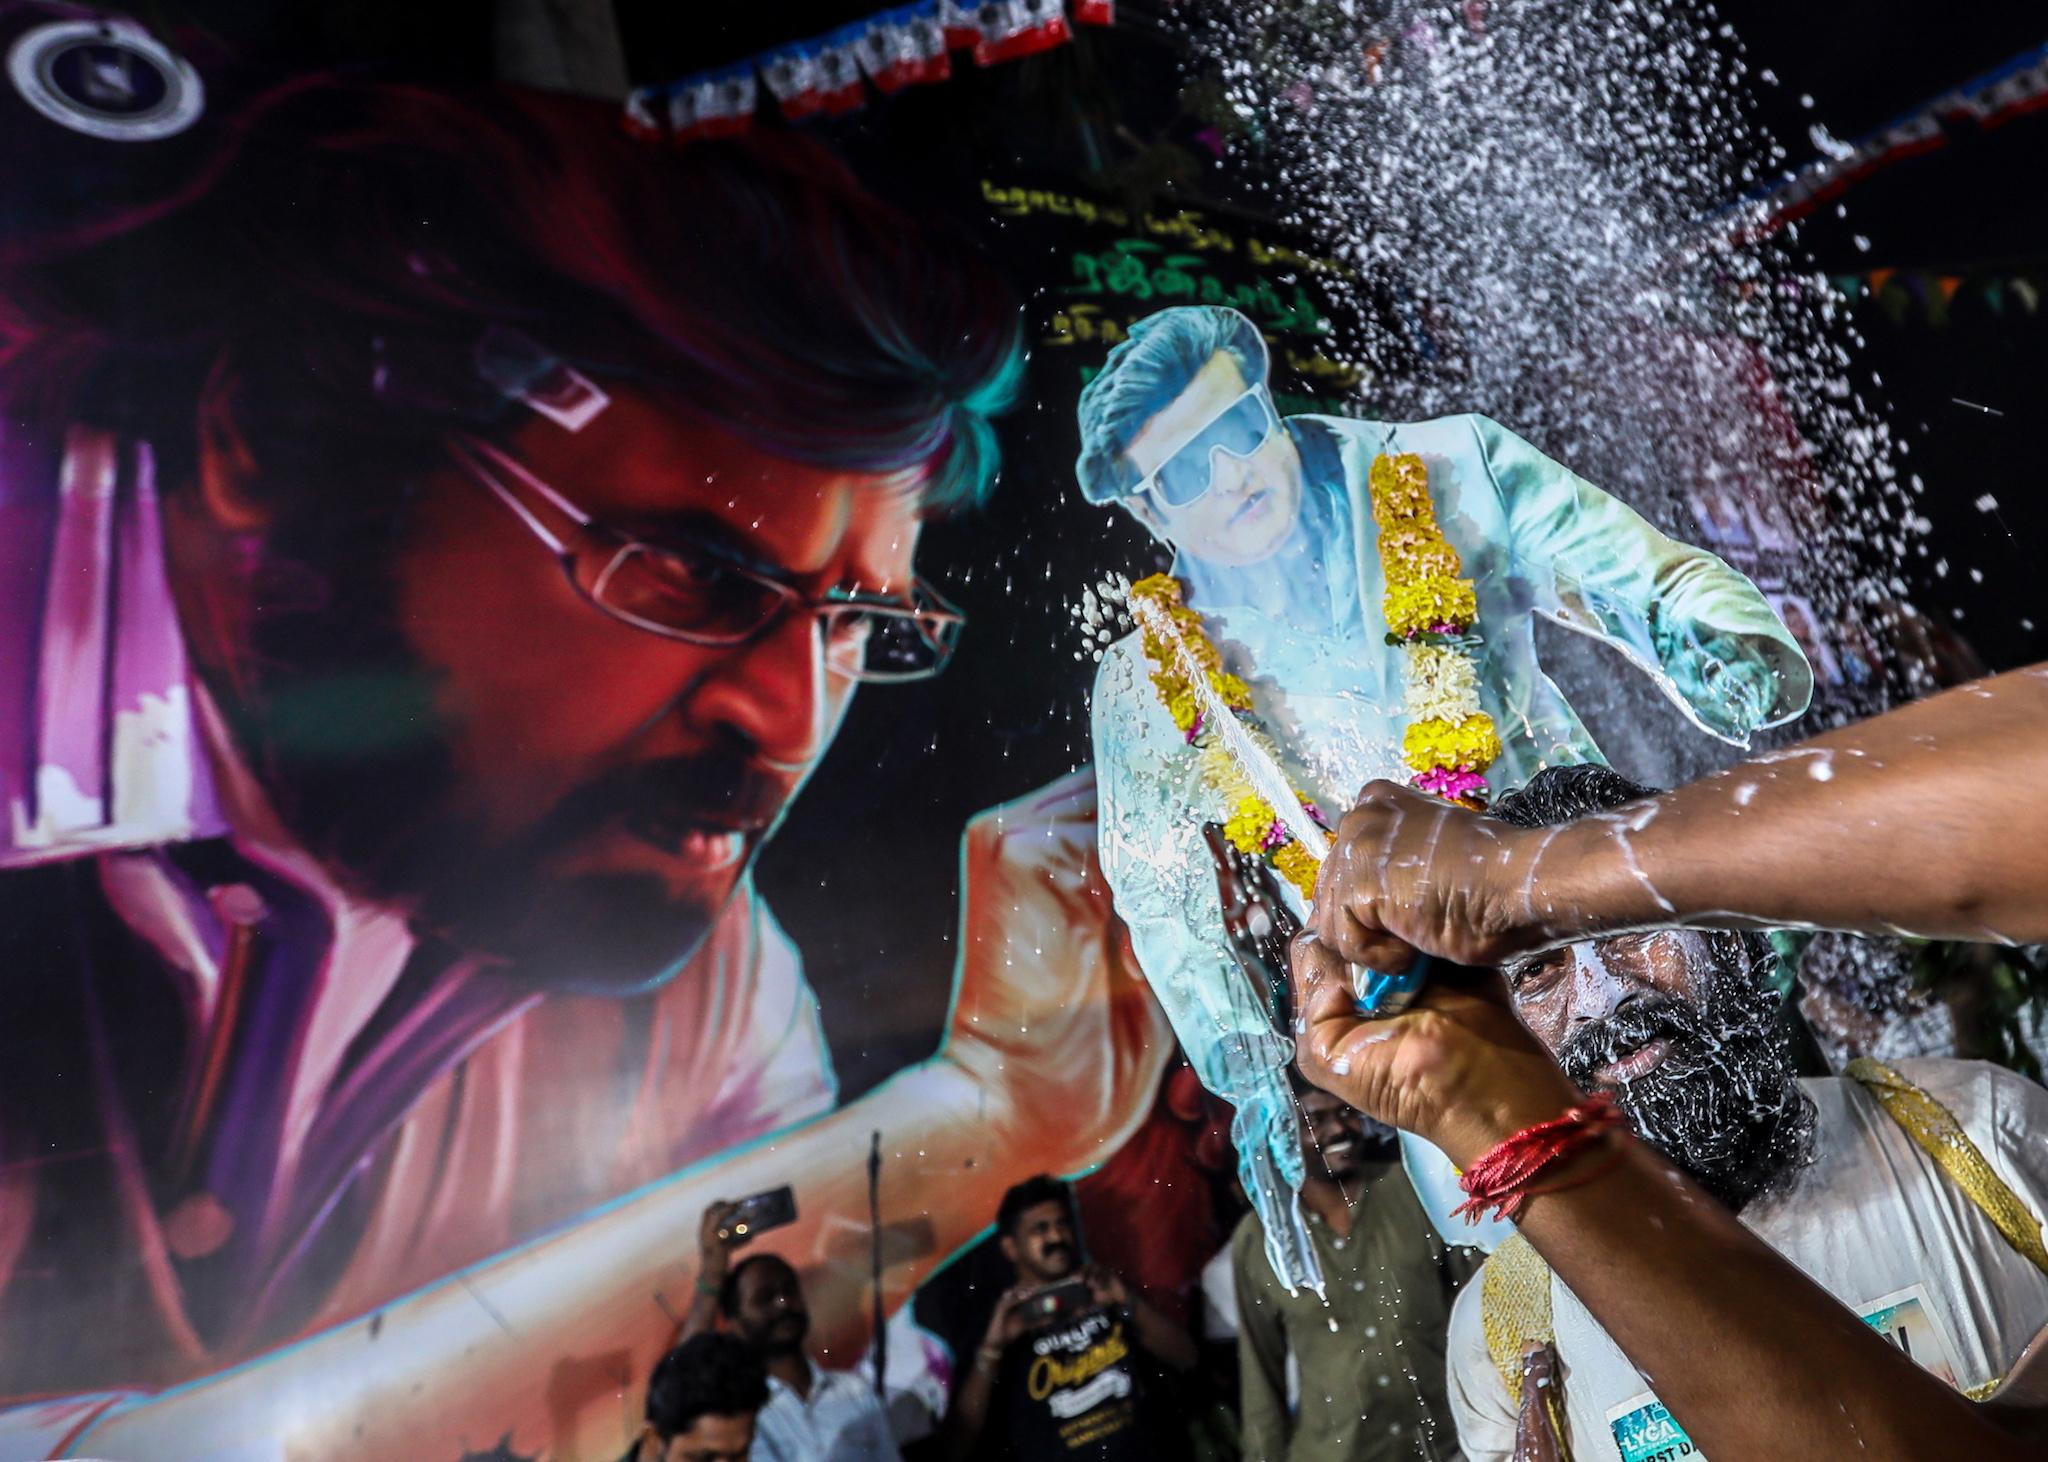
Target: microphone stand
875, 1227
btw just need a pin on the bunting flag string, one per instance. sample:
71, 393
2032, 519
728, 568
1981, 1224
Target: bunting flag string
829, 75
1012, 29
1990, 100
905, 47
716, 104
1933, 294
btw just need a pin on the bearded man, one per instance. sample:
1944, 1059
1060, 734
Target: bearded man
1886, 1187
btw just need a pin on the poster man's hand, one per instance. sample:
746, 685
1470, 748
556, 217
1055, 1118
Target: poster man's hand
1736, 687
1051, 1019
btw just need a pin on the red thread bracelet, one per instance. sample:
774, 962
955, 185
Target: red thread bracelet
1504, 1176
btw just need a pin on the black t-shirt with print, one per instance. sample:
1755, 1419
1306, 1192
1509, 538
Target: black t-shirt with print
1077, 1391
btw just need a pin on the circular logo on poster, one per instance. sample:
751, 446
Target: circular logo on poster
113, 81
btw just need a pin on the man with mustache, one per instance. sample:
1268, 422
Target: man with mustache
1369, 1361
433, 559
1276, 545
1678, 1026
1068, 1370
812, 1414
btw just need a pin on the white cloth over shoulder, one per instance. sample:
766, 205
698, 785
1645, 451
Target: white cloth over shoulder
1873, 1221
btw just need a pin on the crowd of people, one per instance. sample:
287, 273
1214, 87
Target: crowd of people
1073, 1360
1723, 1255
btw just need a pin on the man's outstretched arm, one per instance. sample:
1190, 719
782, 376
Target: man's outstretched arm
548, 1338
1929, 820
1933, 818
1595, 565
505, 1338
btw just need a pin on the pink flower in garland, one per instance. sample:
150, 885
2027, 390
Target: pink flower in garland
1451, 783
1277, 836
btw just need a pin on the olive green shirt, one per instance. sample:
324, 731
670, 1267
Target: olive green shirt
1372, 1359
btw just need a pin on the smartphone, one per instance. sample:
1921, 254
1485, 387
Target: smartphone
759, 1213
1057, 1301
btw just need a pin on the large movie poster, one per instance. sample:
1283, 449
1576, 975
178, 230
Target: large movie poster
535, 693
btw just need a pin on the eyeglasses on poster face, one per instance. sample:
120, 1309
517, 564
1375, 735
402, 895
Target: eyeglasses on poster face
694, 592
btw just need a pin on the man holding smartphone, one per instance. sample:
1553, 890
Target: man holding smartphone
1071, 1364
812, 1414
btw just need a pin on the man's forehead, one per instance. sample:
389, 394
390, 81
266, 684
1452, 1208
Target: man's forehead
765, 1273
1652, 951
1213, 387
1656, 941
1630, 949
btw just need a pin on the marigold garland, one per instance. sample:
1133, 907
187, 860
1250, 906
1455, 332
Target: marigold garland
1175, 643
1469, 744
1430, 614
1429, 603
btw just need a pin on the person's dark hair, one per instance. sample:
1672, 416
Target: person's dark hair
1558, 795
353, 244
1144, 374
1028, 1195
707, 1375
729, 1291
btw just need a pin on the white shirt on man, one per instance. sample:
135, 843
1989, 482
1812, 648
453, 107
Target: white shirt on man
1872, 1220
841, 1421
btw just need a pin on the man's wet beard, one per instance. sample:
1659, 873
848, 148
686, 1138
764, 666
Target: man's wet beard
1724, 1104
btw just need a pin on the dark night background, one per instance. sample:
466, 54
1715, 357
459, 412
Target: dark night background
878, 829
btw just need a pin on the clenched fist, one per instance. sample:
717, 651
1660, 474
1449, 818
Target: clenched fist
1052, 1019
